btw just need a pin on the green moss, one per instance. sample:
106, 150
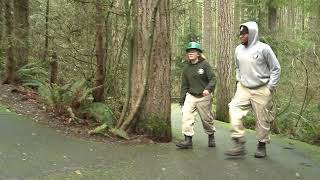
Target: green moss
155, 126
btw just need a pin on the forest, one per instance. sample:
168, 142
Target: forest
118, 63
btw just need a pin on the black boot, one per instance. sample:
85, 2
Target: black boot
211, 141
239, 148
261, 150
186, 144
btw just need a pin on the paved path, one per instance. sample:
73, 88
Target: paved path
32, 151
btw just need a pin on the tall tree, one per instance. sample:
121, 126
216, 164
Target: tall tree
207, 21
193, 21
46, 38
224, 64
22, 28
1, 31
100, 53
272, 15
10, 62
149, 111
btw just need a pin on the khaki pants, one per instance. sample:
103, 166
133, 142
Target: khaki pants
203, 106
260, 101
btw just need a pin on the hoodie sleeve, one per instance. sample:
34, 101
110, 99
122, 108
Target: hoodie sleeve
274, 66
237, 67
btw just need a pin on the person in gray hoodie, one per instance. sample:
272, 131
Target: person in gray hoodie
258, 74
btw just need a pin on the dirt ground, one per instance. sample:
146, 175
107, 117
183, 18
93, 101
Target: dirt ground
26, 102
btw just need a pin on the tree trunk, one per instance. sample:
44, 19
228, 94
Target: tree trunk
149, 111
225, 59
207, 39
2, 9
10, 62
100, 52
193, 20
215, 45
22, 28
46, 41
272, 16
54, 68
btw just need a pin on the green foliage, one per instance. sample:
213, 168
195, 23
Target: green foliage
119, 132
153, 125
101, 113
32, 75
70, 95
305, 128
77, 96
99, 129
249, 121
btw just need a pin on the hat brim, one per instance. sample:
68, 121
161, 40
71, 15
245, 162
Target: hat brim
200, 50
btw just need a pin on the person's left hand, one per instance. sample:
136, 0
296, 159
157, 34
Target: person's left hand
205, 93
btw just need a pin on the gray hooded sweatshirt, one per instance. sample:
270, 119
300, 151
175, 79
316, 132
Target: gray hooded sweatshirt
256, 64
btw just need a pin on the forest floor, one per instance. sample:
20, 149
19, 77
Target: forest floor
26, 102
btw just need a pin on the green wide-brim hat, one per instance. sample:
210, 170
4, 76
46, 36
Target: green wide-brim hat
194, 45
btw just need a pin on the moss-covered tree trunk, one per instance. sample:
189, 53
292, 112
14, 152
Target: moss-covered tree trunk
10, 62
155, 114
1, 32
149, 109
22, 28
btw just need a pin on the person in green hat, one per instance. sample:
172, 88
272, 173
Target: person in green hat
198, 82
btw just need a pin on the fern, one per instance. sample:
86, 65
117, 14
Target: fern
32, 83
99, 129
101, 112
120, 133
31, 75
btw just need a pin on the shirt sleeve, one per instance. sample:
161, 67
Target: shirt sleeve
184, 88
211, 78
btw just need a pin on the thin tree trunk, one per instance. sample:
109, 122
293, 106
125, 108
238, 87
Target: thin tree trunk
215, 33
272, 16
10, 62
193, 21
100, 52
129, 34
2, 23
54, 68
46, 41
225, 59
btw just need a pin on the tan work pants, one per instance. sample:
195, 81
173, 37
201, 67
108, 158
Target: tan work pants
203, 106
260, 101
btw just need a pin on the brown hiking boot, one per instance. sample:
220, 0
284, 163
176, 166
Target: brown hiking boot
261, 150
211, 140
239, 148
186, 144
